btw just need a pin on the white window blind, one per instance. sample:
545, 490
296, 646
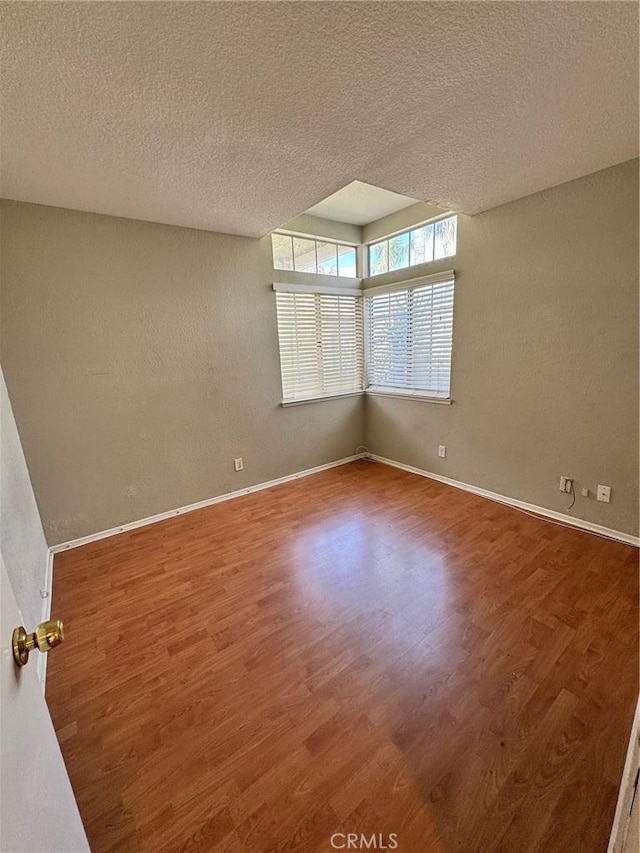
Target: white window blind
321, 344
409, 338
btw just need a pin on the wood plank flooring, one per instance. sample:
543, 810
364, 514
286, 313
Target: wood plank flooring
360, 651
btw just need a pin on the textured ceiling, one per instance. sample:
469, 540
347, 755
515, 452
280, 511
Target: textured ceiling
236, 117
360, 204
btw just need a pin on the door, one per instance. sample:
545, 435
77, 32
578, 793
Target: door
38, 812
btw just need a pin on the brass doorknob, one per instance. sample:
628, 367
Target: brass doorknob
46, 636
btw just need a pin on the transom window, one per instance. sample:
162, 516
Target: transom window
305, 254
421, 245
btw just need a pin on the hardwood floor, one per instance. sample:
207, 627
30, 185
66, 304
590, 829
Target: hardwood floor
360, 651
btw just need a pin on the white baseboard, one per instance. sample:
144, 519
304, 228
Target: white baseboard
153, 519
627, 538
163, 516
623, 807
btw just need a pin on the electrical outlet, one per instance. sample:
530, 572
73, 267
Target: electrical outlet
584, 493
565, 484
442, 451
604, 494
238, 464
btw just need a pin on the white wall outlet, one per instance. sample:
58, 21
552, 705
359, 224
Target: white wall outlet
565, 484
442, 451
238, 464
604, 494
584, 493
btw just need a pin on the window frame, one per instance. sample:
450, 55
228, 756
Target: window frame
352, 286
315, 239
409, 231
358, 338
406, 285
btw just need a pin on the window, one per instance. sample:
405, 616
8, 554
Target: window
321, 342
304, 254
419, 246
409, 337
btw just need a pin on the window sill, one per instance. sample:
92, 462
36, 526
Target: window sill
287, 403
398, 393
424, 397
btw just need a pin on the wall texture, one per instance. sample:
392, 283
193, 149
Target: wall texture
545, 358
142, 359
22, 542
